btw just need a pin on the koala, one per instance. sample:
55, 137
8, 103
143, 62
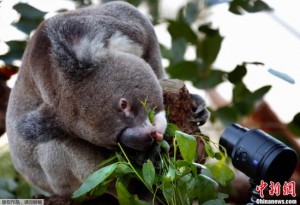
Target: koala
78, 94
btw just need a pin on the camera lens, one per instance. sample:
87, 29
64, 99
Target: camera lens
258, 155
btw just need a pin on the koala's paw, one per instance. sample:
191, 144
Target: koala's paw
201, 114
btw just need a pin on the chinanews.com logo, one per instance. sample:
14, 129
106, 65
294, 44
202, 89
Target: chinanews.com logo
276, 190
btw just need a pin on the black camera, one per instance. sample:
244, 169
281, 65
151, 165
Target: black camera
258, 155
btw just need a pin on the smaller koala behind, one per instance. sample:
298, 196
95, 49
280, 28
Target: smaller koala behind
84, 74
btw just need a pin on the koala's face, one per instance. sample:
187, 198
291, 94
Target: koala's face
105, 107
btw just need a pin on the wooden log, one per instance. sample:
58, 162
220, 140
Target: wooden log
179, 107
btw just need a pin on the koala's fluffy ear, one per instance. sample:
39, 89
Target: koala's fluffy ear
79, 41
66, 37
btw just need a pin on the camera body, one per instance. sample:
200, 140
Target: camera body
258, 155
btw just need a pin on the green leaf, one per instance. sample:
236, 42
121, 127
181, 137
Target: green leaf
259, 93
187, 145
184, 186
221, 172
178, 49
151, 114
237, 74
185, 70
171, 129
164, 144
125, 197
30, 17
94, 180
110, 160
208, 149
227, 115
218, 156
123, 169
6, 195
294, 126
123, 194
210, 79
205, 189
181, 29
170, 176
210, 46
169, 192
16, 49
148, 173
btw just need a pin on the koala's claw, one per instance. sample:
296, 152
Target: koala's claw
201, 114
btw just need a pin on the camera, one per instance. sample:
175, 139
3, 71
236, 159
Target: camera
258, 155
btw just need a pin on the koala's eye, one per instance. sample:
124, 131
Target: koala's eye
123, 104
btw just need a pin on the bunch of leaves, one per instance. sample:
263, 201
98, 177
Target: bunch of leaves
177, 181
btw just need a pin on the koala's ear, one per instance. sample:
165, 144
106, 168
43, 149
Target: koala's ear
72, 47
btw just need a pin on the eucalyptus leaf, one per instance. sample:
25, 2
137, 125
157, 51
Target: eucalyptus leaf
187, 145
208, 149
181, 29
124, 197
148, 171
204, 189
227, 115
171, 129
94, 180
294, 126
210, 46
221, 172
237, 74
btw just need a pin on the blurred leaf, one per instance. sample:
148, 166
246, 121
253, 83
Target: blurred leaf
185, 70
237, 74
237, 6
191, 11
29, 12
209, 79
259, 93
168, 192
184, 187
16, 49
6, 195
164, 144
178, 49
294, 126
227, 115
124, 197
171, 129
221, 172
208, 149
30, 17
94, 179
181, 29
153, 9
148, 173
187, 145
210, 46
205, 189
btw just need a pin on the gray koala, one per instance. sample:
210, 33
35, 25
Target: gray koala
84, 74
